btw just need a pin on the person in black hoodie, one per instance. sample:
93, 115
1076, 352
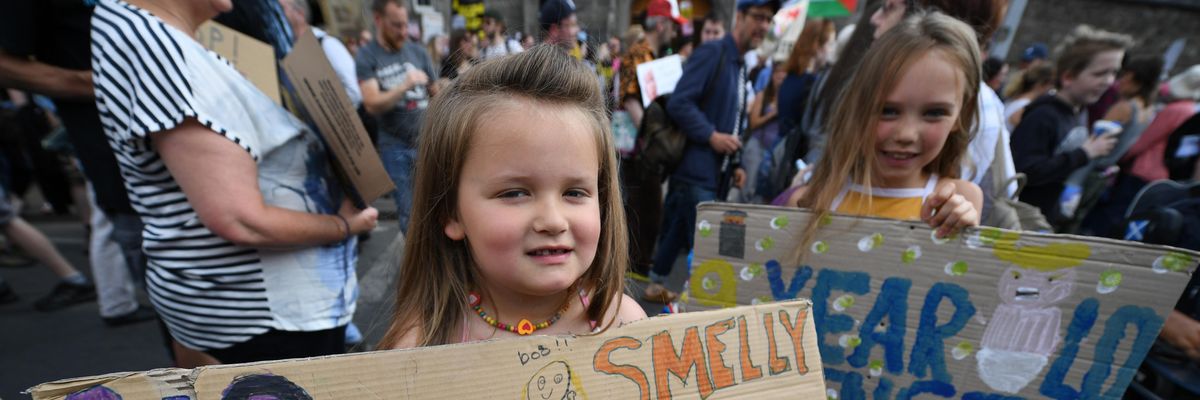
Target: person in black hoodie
1052, 139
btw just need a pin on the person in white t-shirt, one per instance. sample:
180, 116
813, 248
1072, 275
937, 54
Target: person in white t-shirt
495, 42
297, 13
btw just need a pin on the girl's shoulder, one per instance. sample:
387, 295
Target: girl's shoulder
407, 340
625, 310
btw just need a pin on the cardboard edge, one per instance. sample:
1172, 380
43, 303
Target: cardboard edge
59, 389
722, 206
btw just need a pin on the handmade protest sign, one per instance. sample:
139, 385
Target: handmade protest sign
987, 314
761, 352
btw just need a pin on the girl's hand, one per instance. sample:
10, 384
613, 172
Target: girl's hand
360, 220
948, 211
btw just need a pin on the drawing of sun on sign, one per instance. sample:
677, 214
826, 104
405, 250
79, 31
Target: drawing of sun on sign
1024, 330
555, 381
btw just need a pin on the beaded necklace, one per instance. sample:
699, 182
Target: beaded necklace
524, 326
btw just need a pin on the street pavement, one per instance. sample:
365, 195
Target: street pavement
38, 347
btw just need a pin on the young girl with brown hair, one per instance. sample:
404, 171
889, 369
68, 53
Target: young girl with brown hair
518, 224
900, 128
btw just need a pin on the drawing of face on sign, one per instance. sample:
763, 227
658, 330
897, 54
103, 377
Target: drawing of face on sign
264, 387
94, 393
1030, 289
1025, 328
551, 382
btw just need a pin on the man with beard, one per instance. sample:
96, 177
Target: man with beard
394, 76
709, 107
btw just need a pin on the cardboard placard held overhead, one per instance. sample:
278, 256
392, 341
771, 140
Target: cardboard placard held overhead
988, 314
659, 77
323, 103
753, 352
253, 58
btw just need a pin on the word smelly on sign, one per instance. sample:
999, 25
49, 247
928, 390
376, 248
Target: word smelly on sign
766, 351
707, 356
988, 314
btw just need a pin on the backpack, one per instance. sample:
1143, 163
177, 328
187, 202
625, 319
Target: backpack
660, 143
779, 163
1165, 212
1001, 211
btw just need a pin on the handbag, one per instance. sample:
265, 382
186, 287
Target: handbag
1008, 212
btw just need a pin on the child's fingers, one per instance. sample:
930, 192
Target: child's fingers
935, 201
951, 207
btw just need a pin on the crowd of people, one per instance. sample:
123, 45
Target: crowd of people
517, 202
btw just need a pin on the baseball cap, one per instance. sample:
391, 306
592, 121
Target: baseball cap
554, 11
663, 8
1037, 51
742, 5
493, 14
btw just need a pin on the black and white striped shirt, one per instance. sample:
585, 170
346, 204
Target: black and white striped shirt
150, 77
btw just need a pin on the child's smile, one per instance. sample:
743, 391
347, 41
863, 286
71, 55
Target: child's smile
915, 121
528, 200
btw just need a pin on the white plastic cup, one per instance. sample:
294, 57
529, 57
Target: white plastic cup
1102, 126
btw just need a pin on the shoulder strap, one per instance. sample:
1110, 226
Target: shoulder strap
997, 169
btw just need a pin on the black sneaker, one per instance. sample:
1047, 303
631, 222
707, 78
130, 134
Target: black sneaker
65, 295
140, 314
6, 294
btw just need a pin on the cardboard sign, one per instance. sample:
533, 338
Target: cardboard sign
753, 352
659, 77
326, 107
253, 58
989, 314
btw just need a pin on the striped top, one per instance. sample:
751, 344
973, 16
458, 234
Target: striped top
150, 77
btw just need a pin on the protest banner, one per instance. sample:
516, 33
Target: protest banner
986, 314
253, 58
659, 77
751, 352
322, 102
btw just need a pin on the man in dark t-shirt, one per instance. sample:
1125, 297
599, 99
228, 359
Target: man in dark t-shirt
395, 77
45, 47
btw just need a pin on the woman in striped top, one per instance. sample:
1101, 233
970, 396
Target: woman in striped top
249, 240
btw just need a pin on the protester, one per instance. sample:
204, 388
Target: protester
519, 210
811, 55
395, 75
73, 287
643, 185
464, 52
55, 34
1033, 56
297, 13
709, 106
1136, 84
250, 241
994, 72
1035, 82
712, 28
763, 128
1051, 141
559, 25
495, 42
890, 155
1143, 162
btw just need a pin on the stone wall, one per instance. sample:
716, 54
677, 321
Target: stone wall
1153, 24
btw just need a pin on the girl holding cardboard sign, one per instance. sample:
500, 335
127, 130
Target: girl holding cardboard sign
518, 211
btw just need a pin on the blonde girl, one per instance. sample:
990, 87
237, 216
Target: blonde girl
900, 128
517, 213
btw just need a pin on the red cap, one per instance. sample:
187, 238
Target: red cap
663, 8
